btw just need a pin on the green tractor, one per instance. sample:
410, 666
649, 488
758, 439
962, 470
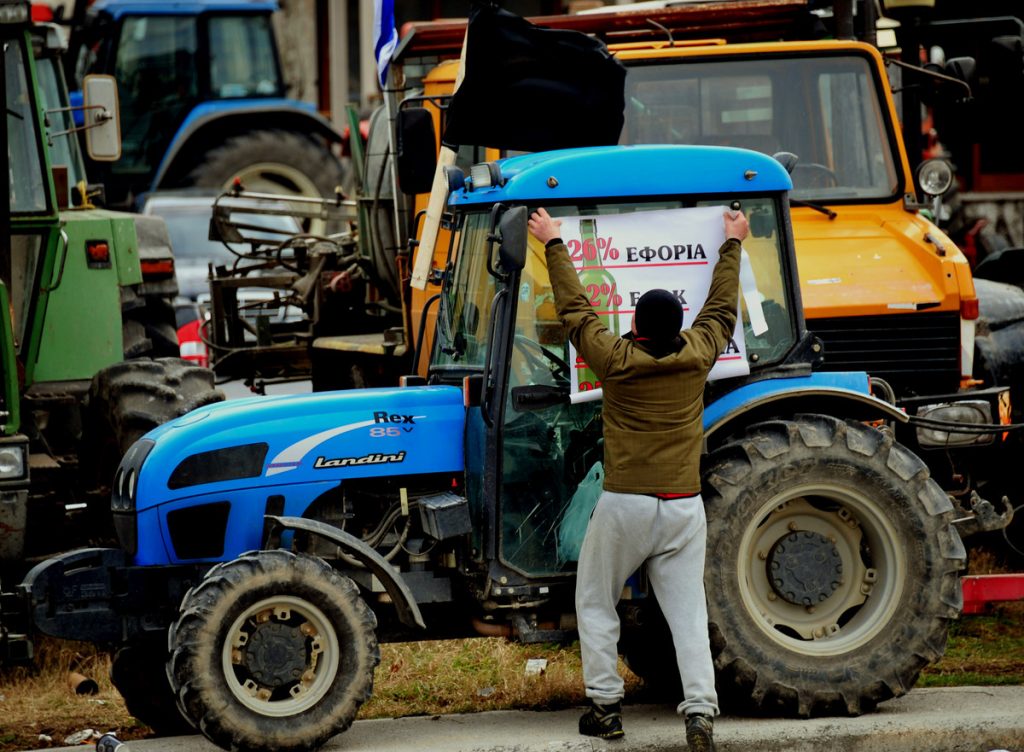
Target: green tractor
88, 353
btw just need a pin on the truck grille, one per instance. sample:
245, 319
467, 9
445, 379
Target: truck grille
916, 353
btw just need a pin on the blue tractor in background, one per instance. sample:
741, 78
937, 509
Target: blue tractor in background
202, 100
268, 545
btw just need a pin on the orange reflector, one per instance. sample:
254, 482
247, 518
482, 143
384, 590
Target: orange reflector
153, 268
97, 251
467, 400
969, 308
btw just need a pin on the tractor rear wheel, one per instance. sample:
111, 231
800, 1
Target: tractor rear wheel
273, 161
125, 401
833, 567
273, 651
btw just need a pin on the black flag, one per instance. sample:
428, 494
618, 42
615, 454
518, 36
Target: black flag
528, 88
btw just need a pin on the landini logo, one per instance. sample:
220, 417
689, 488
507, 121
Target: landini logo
369, 459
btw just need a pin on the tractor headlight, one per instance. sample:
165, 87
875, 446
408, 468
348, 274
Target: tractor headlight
484, 175
13, 465
124, 493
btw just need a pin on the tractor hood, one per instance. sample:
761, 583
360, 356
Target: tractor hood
197, 488
869, 262
269, 442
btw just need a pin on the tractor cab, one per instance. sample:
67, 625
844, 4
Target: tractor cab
498, 331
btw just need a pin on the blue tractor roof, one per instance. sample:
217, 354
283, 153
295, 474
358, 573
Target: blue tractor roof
612, 171
118, 8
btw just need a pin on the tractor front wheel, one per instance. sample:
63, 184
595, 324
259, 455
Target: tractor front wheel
273, 651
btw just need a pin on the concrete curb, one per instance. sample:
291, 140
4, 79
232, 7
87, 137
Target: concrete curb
961, 719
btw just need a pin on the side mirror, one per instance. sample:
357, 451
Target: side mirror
512, 251
102, 121
417, 150
961, 68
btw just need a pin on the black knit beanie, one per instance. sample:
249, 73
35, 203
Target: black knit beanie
659, 316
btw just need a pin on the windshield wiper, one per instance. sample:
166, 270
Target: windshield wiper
817, 207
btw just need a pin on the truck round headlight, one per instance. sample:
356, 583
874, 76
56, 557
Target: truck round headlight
935, 176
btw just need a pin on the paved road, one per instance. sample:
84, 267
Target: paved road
963, 719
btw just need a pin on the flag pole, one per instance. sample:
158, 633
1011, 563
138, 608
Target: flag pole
438, 197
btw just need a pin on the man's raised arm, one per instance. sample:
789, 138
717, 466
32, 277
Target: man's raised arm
716, 321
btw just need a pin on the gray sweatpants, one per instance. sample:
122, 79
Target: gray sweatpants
670, 535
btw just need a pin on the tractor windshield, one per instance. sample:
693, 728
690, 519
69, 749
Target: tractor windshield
828, 113
28, 189
551, 456
242, 61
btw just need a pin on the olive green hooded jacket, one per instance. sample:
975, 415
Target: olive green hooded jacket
653, 406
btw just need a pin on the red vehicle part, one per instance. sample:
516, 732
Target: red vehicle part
984, 589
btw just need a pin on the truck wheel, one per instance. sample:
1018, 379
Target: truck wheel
273, 651
832, 566
138, 673
274, 161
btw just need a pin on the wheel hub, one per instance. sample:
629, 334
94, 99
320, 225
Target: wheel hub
804, 568
276, 654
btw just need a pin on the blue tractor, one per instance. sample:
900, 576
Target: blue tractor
269, 545
202, 100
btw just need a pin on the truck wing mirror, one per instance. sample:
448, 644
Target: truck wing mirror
512, 251
961, 68
102, 121
417, 150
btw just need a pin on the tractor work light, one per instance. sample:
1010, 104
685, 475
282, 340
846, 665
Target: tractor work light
12, 461
14, 12
484, 175
967, 412
935, 176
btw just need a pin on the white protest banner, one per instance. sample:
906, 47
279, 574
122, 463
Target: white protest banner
619, 257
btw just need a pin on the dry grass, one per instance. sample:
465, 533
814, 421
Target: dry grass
417, 678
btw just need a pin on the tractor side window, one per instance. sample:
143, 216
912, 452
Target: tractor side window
28, 190
158, 85
465, 305
242, 62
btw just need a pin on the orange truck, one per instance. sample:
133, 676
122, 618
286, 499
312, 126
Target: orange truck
884, 289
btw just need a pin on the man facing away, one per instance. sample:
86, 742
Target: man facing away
651, 510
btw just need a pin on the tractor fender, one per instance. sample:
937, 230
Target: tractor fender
839, 394
394, 586
210, 123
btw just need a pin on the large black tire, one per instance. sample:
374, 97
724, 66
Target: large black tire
139, 673
273, 652
125, 401
832, 569
157, 320
273, 161
130, 398
148, 325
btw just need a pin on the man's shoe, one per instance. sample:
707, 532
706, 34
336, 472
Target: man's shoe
700, 733
602, 721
